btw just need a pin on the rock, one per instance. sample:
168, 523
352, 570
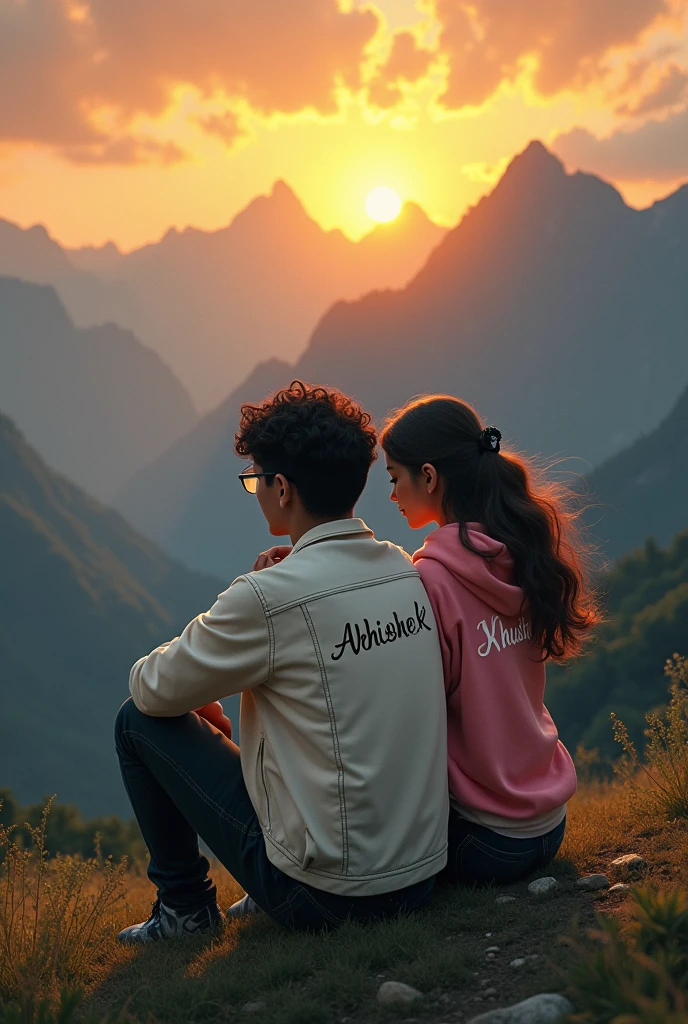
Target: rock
630, 862
543, 886
592, 883
518, 962
620, 887
490, 992
254, 1007
492, 949
505, 899
533, 956
397, 992
489, 956
542, 1009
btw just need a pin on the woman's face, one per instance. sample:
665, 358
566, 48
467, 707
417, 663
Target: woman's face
418, 495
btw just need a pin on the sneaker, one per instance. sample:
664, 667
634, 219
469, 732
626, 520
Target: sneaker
165, 923
243, 908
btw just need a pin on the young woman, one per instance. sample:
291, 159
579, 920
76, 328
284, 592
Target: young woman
506, 580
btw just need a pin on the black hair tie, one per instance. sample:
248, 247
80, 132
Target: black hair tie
489, 439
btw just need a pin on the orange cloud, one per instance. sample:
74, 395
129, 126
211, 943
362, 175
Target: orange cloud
60, 64
128, 150
568, 42
668, 90
406, 64
655, 151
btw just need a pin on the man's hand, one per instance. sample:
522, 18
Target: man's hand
271, 557
214, 714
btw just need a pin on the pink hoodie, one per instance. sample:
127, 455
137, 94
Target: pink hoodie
505, 757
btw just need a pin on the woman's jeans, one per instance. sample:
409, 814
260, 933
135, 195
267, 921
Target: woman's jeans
479, 856
184, 780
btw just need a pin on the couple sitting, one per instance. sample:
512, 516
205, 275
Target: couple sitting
367, 678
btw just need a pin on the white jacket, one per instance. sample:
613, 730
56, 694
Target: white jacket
343, 723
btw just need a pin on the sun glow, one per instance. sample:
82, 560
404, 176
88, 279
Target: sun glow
383, 204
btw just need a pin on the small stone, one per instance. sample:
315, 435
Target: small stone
505, 899
488, 935
532, 956
397, 992
490, 992
253, 1007
630, 862
592, 883
620, 887
543, 1009
518, 962
484, 982
477, 999
543, 886
492, 949
489, 956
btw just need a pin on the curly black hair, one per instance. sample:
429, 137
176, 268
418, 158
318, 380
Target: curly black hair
317, 437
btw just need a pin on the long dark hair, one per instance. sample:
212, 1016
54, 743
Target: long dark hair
533, 517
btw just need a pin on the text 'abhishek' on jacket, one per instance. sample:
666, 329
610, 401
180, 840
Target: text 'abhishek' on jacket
336, 654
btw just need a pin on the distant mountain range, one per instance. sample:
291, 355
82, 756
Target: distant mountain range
557, 310
214, 303
96, 402
82, 597
643, 491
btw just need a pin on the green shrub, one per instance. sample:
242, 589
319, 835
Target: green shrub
67, 832
665, 767
638, 975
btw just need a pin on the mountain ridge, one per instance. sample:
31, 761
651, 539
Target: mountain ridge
556, 310
96, 402
215, 303
83, 595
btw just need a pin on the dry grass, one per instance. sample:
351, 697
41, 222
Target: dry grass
59, 920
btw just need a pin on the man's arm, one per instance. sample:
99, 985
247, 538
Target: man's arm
221, 652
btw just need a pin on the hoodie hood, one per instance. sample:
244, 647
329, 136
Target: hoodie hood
489, 579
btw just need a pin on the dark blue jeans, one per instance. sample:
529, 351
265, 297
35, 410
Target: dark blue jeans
479, 856
184, 780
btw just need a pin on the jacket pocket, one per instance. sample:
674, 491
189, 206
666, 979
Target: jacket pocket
311, 852
261, 758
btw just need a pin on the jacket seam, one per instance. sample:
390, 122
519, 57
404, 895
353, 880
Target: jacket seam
319, 594
402, 869
335, 741
268, 621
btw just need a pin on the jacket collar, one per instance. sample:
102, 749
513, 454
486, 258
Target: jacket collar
326, 531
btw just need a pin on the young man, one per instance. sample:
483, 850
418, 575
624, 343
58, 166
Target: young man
336, 806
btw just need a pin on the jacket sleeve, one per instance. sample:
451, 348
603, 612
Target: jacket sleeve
449, 625
220, 653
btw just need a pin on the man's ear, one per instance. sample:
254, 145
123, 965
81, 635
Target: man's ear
430, 478
284, 490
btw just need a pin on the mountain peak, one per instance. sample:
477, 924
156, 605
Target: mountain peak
282, 192
536, 163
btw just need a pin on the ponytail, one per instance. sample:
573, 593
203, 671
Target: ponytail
533, 518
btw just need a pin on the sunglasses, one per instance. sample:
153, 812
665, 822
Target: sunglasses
250, 480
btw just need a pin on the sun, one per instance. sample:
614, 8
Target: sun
383, 204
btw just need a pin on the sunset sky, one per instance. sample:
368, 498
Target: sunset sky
120, 118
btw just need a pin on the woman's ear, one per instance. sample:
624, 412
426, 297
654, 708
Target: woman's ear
430, 478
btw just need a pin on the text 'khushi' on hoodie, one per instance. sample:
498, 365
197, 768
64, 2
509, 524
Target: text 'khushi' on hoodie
508, 769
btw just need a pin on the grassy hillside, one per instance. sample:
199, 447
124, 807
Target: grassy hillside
647, 617
82, 595
457, 952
